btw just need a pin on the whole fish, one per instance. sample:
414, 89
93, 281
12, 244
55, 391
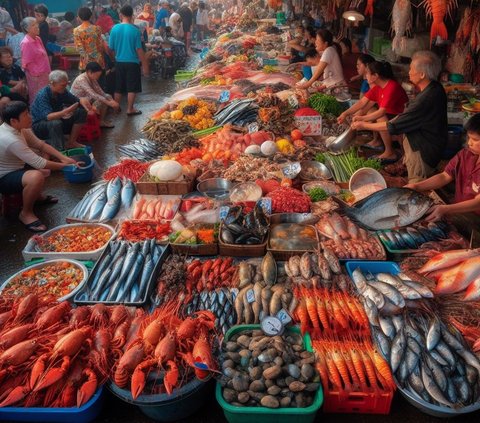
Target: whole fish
473, 291
98, 206
448, 259
269, 269
389, 208
128, 192
113, 187
389, 292
128, 262
401, 24
407, 292
134, 273
111, 208
467, 273
146, 273
85, 202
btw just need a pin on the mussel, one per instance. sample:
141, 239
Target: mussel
234, 215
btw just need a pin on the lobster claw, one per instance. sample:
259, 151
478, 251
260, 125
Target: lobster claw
171, 376
88, 388
17, 394
53, 375
139, 377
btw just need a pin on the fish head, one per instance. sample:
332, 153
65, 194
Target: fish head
413, 205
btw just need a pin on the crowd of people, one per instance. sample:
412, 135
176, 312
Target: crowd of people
36, 102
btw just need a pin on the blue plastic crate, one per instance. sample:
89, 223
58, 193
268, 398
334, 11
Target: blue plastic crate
84, 414
373, 267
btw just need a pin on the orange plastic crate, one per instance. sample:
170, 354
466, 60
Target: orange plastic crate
357, 402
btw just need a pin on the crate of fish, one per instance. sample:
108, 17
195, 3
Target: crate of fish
422, 235
124, 274
104, 202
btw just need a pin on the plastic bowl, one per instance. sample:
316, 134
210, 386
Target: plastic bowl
366, 176
329, 187
247, 191
312, 170
66, 297
216, 188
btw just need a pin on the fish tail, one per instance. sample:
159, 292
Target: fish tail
438, 28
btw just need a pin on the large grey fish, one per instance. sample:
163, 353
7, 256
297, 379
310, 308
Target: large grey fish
111, 208
113, 187
128, 192
98, 206
389, 208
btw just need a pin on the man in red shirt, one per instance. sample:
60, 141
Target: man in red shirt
464, 169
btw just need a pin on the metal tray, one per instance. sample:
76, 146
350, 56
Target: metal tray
303, 218
150, 283
44, 263
30, 253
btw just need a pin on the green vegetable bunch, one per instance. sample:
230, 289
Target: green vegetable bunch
325, 104
317, 194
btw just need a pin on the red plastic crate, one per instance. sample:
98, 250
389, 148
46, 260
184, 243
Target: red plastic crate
357, 402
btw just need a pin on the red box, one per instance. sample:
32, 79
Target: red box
357, 402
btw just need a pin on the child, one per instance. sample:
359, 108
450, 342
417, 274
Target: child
464, 169
12, 75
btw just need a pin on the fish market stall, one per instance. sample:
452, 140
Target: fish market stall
230, 246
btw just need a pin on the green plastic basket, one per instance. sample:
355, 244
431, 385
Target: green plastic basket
263, 414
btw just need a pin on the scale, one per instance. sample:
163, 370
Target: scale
272, 326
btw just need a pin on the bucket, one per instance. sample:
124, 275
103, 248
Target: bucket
79, 175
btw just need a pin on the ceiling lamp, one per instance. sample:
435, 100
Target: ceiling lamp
353, 16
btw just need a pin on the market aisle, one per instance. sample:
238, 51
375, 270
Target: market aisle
12, 234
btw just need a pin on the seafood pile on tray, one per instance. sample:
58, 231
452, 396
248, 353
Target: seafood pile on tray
123, 274
347, 240
264, 371
244, 228
104, 201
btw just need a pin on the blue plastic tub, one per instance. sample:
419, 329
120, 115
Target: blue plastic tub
373, 267
86, 413
80, 175
181, 404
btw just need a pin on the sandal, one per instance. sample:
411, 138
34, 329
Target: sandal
36, 226
136, 112
384, 162
49, 199
107, 125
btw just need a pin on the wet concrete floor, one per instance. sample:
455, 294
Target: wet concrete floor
13, 237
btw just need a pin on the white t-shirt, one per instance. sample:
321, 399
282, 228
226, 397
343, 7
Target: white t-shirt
202, 17
333, 73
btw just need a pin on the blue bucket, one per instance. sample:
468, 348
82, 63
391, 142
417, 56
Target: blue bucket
79, 175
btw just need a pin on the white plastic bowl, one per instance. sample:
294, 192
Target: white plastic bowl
366, 176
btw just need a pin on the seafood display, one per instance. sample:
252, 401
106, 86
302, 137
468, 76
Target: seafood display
220, 302
323, 312
455, 271
123, 274
167, 341
138, 230
293, 237
155, 207
171, 136
238, 112
401, 24
57, 278
414, 236
104, 201
244, 228
263, 371
73, 238
289, 200
247, 168
389, 208
127, 168
352, 366
141, 149
54, 355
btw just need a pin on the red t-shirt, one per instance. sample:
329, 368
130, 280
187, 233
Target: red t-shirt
392, 97
463, 168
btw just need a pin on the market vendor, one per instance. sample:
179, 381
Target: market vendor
304, 40
330, 64
424, 122
464, 169
21, 169
86, 85
390, 98
56, 111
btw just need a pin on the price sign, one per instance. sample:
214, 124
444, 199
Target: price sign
252, 127
234, 293
284, 317
224, 96
266, 205
223, 211
250, 296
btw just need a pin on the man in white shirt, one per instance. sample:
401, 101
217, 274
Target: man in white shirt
22, 169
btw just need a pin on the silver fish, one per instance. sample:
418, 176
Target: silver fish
399, 345
128, 192
114, 187
424, 291
437, 373
332, 260
269, 269
434, 334
98, 206
432, 388
387, 326
359, 280
389, 208
389, 292
111, 208
406, 291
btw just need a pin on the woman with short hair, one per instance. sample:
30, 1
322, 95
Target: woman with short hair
88, 40
35, 61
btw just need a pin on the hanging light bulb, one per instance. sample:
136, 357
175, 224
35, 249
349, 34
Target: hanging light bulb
353, 16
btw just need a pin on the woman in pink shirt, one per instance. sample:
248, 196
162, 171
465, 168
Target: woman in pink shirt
35, 61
